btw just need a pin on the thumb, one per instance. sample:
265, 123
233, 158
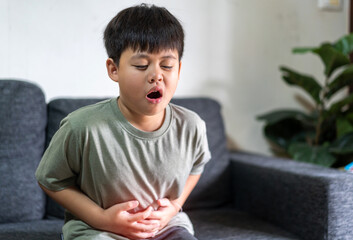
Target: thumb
126, 206
163, 202
141, 215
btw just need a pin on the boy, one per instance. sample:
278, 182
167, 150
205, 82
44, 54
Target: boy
122, 168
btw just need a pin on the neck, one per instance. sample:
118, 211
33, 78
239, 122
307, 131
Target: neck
142, 122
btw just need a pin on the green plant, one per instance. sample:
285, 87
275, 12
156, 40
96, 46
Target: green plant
323, 135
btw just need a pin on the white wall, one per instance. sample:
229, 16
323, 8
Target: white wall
233, 51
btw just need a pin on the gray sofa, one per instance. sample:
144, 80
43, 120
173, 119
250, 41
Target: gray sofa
240, 195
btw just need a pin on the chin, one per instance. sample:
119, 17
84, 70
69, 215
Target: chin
155, 109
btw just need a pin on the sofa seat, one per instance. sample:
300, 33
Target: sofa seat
37, 229
228, 223
214, 224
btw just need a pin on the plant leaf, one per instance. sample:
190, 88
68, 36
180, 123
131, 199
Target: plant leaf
287, 130
344, 44
308, 83
337, 107
282, 132
327, 128
349, 116
345, 79
343, 145
319, 155
279, 115
301, 50
331, 58
343, 127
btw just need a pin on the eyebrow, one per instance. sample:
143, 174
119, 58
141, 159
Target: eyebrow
146, 56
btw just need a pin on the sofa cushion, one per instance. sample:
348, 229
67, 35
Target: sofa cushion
22, 137
33, 230
213, 188
228, 223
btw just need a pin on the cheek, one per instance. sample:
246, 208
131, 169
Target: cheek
174, 79
172, 85
132, 81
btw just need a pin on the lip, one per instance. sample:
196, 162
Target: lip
155, 89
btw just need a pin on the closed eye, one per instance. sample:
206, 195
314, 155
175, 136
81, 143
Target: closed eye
141, 67
167, 67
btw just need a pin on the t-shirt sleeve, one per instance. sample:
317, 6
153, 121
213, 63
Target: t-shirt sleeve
202, 152
59, 166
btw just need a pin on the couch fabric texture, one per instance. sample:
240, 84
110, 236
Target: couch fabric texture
23, 118
239, 196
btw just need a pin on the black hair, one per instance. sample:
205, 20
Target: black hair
143, 28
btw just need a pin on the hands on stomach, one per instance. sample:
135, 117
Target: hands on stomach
140, 225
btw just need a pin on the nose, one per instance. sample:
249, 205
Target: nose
155, 75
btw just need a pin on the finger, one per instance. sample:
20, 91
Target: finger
141, 215
126, 206
163, 202
140, 227
155, 215
149, 221
144, 235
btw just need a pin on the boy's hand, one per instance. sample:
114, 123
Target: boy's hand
164, 213
131, 225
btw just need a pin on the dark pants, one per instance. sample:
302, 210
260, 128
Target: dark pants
175, 233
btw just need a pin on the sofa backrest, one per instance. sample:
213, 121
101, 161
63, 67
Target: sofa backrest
213, 188
22, 137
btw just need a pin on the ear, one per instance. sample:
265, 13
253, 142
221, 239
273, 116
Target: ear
112, 70
179, 69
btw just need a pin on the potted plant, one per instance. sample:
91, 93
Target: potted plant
323, 135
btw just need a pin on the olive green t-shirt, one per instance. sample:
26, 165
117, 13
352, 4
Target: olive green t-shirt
111, 161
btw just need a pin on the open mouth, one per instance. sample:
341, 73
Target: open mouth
155, 95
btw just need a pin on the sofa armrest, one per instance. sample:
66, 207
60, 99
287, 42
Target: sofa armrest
310, 201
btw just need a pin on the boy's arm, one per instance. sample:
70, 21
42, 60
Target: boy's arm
168, 209
115, 219
189, 186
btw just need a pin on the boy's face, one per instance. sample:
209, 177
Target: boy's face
147, 81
